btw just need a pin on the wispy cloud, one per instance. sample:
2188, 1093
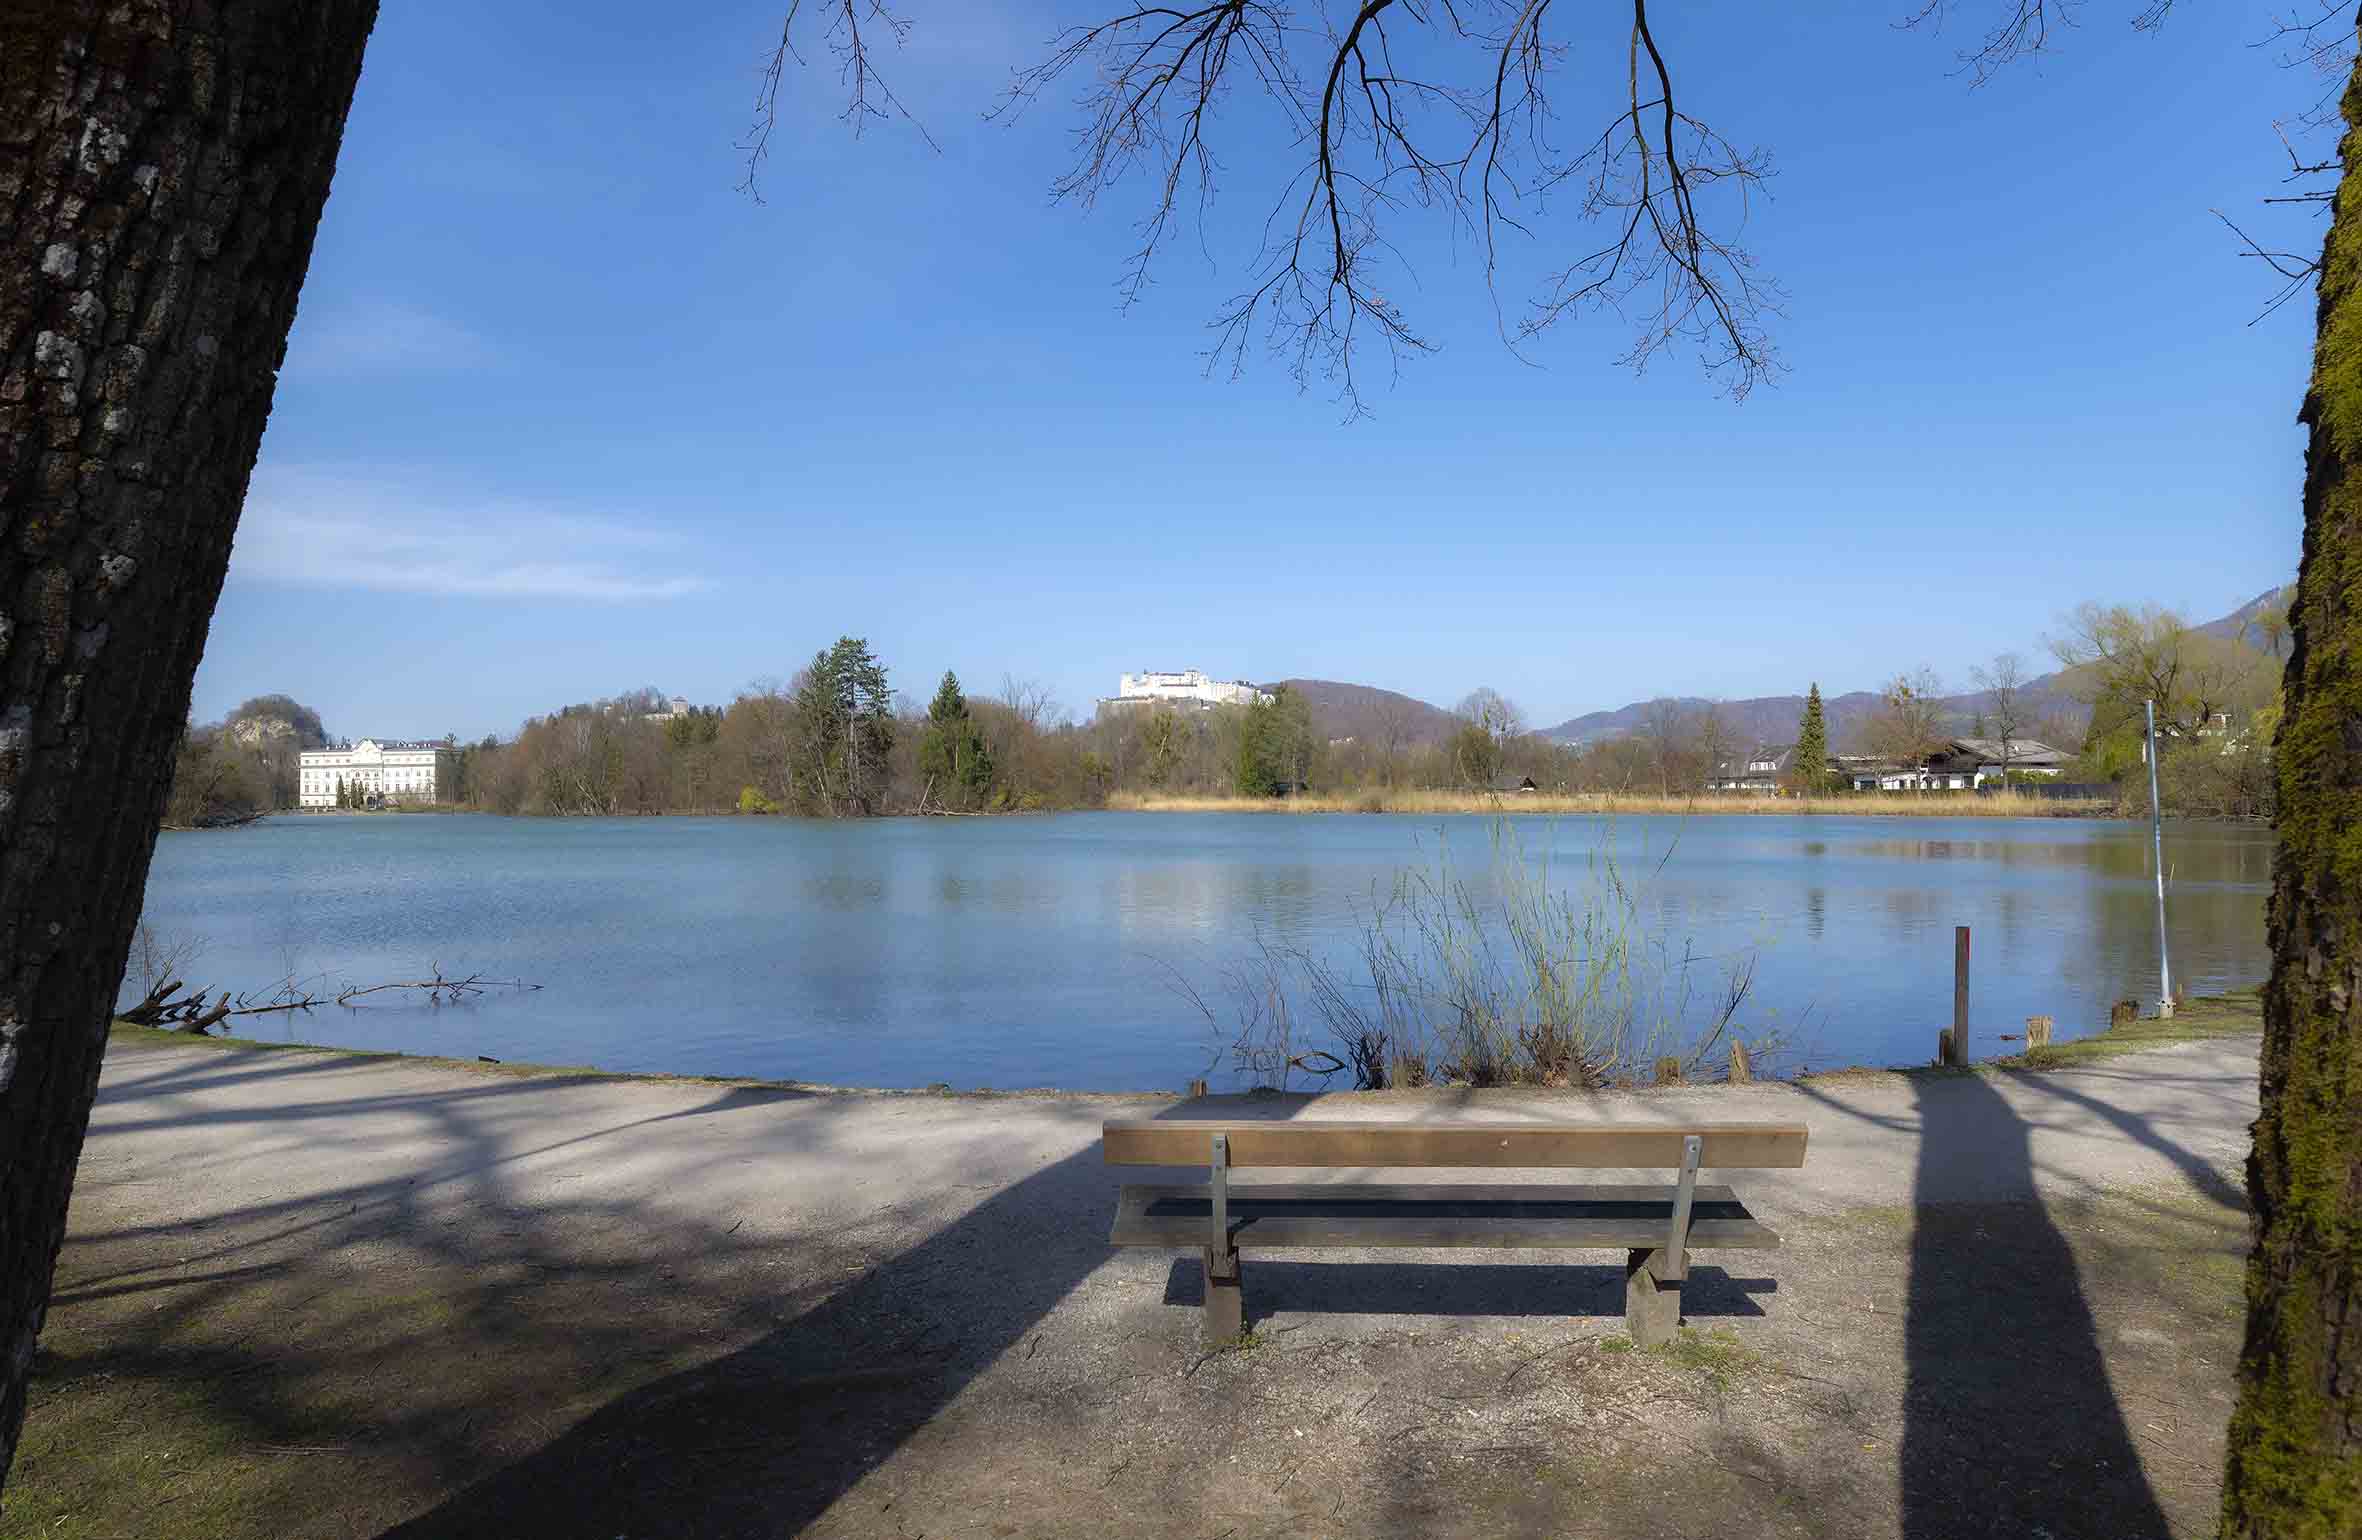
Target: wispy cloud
327, 529
375, 336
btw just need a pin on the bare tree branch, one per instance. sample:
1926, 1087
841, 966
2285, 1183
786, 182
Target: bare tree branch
868, 95
2022, 32
1379, 141
2296, 271
1466, 132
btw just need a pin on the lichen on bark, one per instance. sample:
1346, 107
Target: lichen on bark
2295, 1455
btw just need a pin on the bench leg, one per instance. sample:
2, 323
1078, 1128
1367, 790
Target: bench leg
1652, 1307
1225, 1303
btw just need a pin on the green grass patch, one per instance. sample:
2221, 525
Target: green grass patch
123, 1456
1718, 1355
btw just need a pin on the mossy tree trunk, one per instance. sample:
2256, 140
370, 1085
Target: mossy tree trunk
2295, 1466
163, 164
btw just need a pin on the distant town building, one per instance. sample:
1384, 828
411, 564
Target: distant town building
1189, 687
388, 771
1759, 771
1962, 764
678, 706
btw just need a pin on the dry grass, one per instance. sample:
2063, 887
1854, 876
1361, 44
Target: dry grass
1380, 800
2194, 1020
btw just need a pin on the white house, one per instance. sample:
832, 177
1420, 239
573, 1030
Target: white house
1962, 764
387, 772
1188, 687
1990, 759
1758, 772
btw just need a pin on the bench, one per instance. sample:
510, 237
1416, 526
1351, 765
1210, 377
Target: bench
1656, 1227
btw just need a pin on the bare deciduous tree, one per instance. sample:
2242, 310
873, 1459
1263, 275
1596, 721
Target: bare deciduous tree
1500, 717
2003, 683
1909, 723
2129, 654
1393, 717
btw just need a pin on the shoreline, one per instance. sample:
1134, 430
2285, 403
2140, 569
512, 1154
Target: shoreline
1742, 805
2199, 1019
1946, 806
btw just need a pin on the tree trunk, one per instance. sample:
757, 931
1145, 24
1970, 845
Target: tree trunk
2295, 1465
162, 169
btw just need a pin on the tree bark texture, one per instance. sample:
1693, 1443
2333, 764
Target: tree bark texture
2295, 1460
163, 164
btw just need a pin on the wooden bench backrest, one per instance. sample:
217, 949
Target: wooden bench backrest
1724, 1146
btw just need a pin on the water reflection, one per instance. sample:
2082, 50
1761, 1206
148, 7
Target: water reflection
1037, 951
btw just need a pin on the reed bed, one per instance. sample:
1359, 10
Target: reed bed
1858, 804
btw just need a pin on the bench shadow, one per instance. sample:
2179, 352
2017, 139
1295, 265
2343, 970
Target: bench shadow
1525, 1289
2011, 1425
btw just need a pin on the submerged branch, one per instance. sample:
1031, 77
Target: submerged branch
166, 1008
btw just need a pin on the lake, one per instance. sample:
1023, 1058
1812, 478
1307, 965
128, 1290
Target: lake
1043, 951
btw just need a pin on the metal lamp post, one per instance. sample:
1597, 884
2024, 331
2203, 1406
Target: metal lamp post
2157, 842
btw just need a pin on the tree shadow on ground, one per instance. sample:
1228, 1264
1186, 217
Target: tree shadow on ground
765, 1440
2011, 1425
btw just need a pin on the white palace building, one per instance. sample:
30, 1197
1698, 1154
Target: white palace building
388, 771
1185, 687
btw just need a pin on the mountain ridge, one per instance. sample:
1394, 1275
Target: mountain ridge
1369, 713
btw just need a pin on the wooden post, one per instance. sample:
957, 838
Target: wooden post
1741, 1072
1226, 1312
1959, 995
2037, 1032
1669, 1070
1196, 1088
1944, 1047
1652, 1306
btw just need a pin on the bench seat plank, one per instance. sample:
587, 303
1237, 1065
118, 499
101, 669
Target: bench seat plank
1326, 1142
1269, 1214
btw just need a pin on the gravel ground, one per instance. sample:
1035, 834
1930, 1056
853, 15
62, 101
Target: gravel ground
322, 1294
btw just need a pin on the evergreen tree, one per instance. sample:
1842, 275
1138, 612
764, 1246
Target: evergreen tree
1810, 765
953, 756
844, 713
1275, 744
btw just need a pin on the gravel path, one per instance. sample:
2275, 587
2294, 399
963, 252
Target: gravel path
644, 1307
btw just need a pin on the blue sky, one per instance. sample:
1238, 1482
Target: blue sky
565, 413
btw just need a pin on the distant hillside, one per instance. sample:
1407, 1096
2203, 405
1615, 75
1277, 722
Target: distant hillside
1773, 718
1763, 719
1365, 713
2249, 621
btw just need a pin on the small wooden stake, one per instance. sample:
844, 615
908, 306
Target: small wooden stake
1741, 1072
1959, 995
1197, 1088
2037, 1032
2125, 1013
